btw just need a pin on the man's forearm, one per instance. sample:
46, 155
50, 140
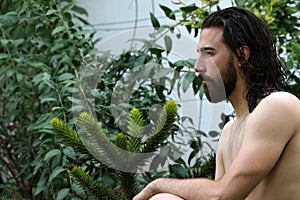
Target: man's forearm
185, 188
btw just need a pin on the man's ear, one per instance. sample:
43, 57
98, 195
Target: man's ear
244, 53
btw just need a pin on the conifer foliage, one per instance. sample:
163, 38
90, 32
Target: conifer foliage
129, 152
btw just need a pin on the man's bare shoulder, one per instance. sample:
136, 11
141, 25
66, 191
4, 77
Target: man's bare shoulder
279, 103
285, 99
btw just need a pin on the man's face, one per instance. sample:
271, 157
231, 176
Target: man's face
215, 65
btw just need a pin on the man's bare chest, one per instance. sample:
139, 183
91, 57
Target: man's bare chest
233, 143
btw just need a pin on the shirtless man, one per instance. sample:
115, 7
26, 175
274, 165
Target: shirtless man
258, 155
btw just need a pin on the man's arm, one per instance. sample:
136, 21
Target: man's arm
267, 131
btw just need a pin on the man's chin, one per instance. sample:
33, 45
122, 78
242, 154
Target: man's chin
215, 97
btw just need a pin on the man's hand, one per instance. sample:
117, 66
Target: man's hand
146, 193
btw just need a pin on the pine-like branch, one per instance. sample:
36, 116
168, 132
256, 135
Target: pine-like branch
96, 189
98, 144
135, 130
162, 127
68, 135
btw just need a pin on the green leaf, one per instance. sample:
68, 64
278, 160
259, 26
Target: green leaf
168, 12
69, 152
162, 73
51, 154
62, 193
40, 188
168, 43
213, 133
178, 171
80, 10
56, 172
189, 8
51, 11
65, 76
187, 80
58, 29
3, 56
154, 21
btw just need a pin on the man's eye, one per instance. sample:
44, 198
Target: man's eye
209, 53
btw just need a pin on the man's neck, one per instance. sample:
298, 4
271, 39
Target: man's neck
239, 103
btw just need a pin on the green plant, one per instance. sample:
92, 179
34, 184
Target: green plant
138, 150
41, 47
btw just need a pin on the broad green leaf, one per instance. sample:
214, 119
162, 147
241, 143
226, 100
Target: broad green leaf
178, 171
69, 152
187, 80
40, 188
65, 76
51, 154
3, 56
56, 172
62, 193
58, 29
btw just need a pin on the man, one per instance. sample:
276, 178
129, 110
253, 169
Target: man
258, 155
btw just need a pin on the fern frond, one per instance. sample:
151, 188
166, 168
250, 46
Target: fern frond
68, 135
96, 189
162, 127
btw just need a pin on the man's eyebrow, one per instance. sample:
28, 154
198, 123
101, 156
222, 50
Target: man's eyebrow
204, 49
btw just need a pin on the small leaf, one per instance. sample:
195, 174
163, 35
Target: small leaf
154, 21
3, 56
56, 172
188, 79
51, 154
178, 171
168, 43
50, 12
58, 29
213, 133
168, 12
69, 152
162, 73
62, 193
189, 8
65, 76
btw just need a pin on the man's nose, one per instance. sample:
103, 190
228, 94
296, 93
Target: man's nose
199, 66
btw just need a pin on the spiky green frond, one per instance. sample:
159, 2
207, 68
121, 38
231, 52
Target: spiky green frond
96, 189
162, 127
135, 130
97, 142
121, 141
68, 135
128, 184
99, 145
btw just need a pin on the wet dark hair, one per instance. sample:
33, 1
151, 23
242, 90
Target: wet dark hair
263, 71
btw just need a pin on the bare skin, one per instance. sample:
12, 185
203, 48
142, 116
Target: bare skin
258, 153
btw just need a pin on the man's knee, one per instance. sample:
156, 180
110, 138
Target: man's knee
165, 196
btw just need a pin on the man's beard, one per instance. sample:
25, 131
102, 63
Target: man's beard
222, 88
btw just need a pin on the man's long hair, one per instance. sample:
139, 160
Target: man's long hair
263, 71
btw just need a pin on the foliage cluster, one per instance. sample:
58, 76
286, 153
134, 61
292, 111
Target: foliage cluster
129, 152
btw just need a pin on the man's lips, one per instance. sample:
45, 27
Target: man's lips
203, 80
